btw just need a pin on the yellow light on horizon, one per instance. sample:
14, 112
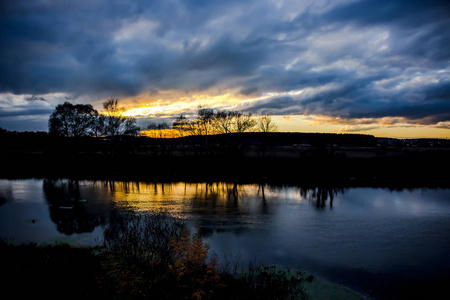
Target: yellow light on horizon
164, 133
379, 127
172, 104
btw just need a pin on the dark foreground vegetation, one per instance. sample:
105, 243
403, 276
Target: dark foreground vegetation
144, 257
297, 158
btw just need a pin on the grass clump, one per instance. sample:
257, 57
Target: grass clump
263, 282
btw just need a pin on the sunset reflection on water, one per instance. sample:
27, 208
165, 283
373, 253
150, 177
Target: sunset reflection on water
176, 197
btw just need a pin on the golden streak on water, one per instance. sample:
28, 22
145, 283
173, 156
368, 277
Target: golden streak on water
176, 197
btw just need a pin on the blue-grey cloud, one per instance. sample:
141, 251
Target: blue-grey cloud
352, 59
403, 13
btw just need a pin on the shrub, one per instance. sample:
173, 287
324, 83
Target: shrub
154, 254
195, 277
143, 237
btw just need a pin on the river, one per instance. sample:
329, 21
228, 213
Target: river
380, 242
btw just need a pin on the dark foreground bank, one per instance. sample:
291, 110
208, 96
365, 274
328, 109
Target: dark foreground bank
63, 271
67, 272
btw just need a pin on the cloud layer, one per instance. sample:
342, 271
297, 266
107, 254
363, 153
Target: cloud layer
345, 59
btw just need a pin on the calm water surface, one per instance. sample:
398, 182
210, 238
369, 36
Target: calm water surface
378, 241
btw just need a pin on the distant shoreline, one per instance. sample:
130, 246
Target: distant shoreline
376, 172
276, 158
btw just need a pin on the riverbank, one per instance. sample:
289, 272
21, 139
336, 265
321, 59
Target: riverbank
91, 272
355, 171
283, 158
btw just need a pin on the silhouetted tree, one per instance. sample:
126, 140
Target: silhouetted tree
232, 121
243, 122
98, 126
224, 121
266, 124
71, 120
203, 123
205, 119
114, 122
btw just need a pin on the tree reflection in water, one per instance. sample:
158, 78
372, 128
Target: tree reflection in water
213, 198
68, 209
211, 206
320, 195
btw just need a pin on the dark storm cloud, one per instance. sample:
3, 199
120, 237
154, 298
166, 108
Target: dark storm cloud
35, 98
72, 47
420, 28
353, 59
60, 46
404, 13
428, 105
25, 111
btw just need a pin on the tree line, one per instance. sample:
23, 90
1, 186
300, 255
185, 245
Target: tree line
211, 122
77, 120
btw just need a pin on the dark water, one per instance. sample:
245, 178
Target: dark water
386, 244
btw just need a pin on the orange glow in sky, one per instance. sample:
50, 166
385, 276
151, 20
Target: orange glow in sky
169, 108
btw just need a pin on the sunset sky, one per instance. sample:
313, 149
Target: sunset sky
379, 67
